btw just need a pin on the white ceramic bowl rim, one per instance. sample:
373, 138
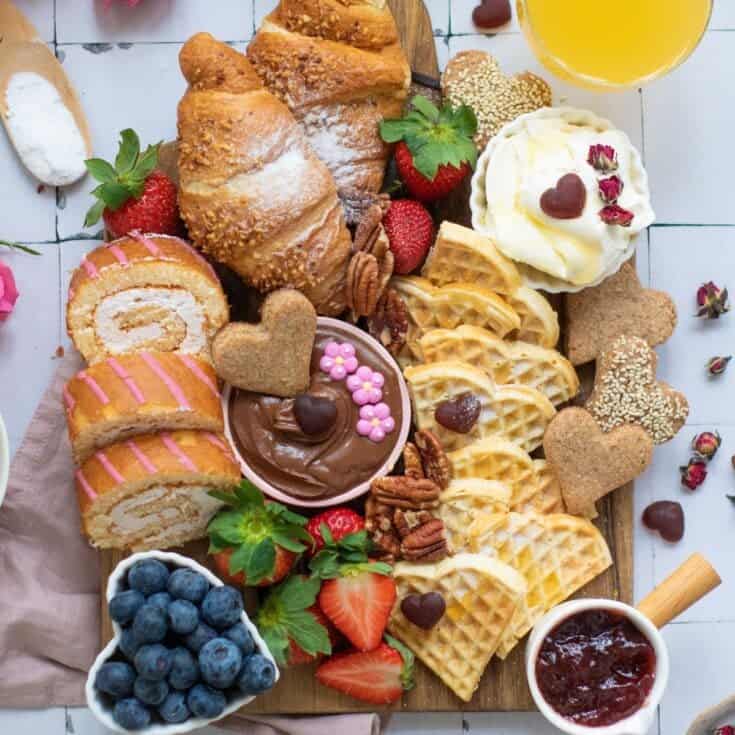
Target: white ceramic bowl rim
360, 489
94, 700
4, 460
639, 722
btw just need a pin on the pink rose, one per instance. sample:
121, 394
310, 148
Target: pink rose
8, 291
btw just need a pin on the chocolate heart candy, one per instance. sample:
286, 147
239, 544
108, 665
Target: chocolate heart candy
314, 414
667, 518
567, 199
459, 414
492, 13
425, 611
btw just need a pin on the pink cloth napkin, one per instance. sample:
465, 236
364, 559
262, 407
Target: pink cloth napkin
50, 587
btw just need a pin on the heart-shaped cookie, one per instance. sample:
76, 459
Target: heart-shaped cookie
566, 200
619, 305
626, 392
589, 463
273, 357
474, 78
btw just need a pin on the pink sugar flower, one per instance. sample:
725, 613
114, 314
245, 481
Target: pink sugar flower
339, 360
375, 422
8, 291
366, 386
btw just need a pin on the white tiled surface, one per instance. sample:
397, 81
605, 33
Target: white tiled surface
683, 124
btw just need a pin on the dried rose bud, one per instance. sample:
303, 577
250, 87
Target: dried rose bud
613, 214
706, 444
718, 365
693, 474
610, 189
711, 301
603, 158
725, 730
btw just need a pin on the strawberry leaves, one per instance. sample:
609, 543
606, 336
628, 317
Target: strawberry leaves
347, 556
123, 181
409, 660
253, 529
284, 616
435, 137
18, 246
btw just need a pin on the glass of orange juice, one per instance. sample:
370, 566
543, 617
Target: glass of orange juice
613, 45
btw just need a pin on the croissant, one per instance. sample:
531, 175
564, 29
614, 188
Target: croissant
252, 191
339, 66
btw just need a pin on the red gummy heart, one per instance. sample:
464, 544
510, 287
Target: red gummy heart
492, 13
667, 518
566, 200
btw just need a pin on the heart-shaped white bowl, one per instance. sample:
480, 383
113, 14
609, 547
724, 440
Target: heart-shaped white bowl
4, 460
114, 584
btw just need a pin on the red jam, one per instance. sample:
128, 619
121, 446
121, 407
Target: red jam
596, 668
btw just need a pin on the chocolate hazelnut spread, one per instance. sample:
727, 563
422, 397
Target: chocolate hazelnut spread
313, 467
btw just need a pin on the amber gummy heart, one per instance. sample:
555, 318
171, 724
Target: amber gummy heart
566, 200
666, 517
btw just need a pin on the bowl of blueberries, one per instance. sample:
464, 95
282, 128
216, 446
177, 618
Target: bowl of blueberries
184, 653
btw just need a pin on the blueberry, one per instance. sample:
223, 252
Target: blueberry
131, 714
220, 661
222, 607
115, 678
201, 635
203, 701
161, 600
150, 624
186, 584
174, 709
124, 605
184, 617
184, 669
148, 576
154, 662
258, 675
149, 691
128, 643
241, 637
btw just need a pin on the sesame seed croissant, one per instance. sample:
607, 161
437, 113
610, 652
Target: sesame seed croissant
252, 191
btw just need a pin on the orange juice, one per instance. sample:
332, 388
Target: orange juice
621, 43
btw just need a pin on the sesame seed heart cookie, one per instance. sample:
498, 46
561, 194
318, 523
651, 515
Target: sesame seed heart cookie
272, 357
474, 78
590, 463
619, 305
626, 392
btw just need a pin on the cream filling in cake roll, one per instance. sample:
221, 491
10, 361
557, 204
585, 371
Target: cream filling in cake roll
165, 319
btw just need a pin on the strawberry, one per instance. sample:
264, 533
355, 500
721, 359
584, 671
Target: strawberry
259, 539
378, 677
357, 594
132, 195
292, 625
339, 521
410, 231
435, 148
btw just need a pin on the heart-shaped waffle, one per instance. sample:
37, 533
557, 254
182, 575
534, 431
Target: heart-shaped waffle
626, 392
474, 78
619, 305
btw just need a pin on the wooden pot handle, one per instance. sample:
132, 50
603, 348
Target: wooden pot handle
695, 578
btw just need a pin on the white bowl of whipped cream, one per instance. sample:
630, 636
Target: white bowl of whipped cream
527, 158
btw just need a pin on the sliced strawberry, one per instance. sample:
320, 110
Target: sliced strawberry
410, 230
339, 521
359, 604
291, 623
259, 539
378, 677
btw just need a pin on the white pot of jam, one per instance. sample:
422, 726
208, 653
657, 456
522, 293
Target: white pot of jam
600, 667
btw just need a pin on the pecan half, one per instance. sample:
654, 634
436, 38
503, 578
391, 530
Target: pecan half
407, 521
362, 284
412, 464
434, 459
389, 324
357, 203
406, 492
427, 543
388, 545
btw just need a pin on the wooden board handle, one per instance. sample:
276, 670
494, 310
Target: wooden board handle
695, 578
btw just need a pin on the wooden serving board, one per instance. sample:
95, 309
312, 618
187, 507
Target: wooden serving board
503, 687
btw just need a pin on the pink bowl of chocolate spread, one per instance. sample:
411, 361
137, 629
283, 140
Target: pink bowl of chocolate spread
324, 447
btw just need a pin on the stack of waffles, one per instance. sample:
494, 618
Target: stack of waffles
476, 330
